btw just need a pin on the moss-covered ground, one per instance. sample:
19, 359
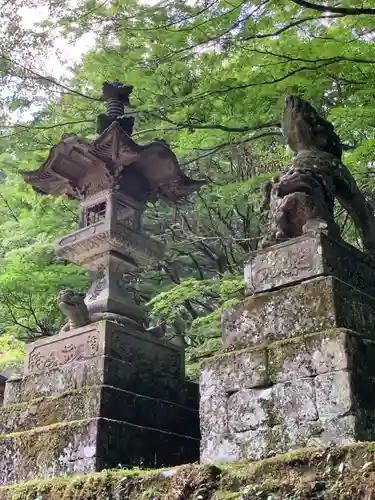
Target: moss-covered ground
338, 473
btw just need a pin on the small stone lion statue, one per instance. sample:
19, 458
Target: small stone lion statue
72, 304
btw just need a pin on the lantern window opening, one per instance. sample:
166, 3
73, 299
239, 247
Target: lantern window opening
95, 213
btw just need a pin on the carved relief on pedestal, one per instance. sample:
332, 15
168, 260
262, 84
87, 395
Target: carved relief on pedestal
153, 355
100, 284
62, 351
87, 243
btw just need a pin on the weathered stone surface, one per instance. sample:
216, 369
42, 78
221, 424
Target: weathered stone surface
78, 447
312, 354
75, 405
307, 257
335, 473
319, 388
336, 431
235, 370
271, 407
219, 448
223, 375
103, 401
133, 361
334, 396
69, 377
248, 409
267, 441
104, 338
53, 451
295, 401
59, 350
288, 360
101, 371
312, 306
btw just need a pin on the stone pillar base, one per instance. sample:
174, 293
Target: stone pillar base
300, 368
94, 398
315, 390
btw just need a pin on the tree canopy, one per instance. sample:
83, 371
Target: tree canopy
210, 78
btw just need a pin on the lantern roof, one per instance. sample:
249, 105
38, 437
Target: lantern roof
114, 161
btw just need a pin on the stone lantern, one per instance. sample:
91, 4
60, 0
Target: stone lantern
104, 391
113, 178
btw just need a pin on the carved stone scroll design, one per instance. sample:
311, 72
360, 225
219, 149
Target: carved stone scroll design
51, 355
118, 238
100, 284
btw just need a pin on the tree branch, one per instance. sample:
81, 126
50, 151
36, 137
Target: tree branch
9, 208
345, 11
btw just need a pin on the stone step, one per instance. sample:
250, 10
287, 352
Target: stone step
108, 402
102, 370
84, 446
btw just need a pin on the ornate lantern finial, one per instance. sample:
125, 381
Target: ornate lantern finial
116, 95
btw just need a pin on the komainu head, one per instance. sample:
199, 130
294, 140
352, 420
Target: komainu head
304, 129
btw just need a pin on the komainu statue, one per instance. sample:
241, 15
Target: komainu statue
302, 199
73, 305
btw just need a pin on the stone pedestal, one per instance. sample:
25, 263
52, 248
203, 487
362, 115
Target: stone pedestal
95, 398
111, 249
299, 368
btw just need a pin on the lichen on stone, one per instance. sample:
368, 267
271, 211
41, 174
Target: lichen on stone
336, 473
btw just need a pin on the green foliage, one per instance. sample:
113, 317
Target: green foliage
12, 354
30, 273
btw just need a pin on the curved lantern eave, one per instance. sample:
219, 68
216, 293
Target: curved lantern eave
79, 168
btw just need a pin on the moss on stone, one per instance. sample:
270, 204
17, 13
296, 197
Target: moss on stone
276, 344
277, 351
338, 473
44, 411
45, 450
100, 486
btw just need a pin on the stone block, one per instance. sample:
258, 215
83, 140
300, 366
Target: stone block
234, 370
248, 409
308, 257
219, 448
101, 371
318, 388
75, 405
104, 353
312, 354
85, 446
258, 443
336, 431
267, 441
312, 306
294, 401
334, 395
271, 407
105, 338
223, 375
106, 402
